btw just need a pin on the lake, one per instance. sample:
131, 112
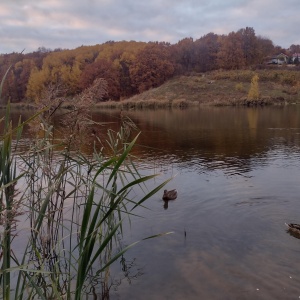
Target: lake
237, 172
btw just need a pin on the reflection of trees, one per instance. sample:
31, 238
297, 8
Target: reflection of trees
217, 137
208, 138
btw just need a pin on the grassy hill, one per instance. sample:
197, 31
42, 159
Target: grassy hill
219, 88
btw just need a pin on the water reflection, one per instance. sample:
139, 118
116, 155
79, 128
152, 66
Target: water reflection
238, 176
238, 173
209, 138
166, 203
214, 138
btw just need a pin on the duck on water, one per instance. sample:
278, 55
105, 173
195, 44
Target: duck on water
170, 195
293, 227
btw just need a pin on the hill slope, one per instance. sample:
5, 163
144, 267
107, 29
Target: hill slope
220, 88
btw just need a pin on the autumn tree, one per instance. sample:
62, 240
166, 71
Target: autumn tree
184, 55
151, 68
37, 82
206, 50
249, 45
36, 57
7, 62
253, 93
126, 88
21, 72
125, 62
115, 51
121, 55
294, 49
105, 69
20, 66
231, 54
129, 67
58, 69
265, 48
279, 49
85, 55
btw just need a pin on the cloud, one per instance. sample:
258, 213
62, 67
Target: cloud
68, 24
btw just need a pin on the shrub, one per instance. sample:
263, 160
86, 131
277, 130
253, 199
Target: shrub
239, 87
253, 93
74, 206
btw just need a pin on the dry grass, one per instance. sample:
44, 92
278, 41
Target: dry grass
217, 88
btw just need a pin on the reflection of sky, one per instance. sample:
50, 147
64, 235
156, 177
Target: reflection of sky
233, 201
236, 240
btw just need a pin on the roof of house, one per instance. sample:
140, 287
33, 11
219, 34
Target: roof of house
282, 54
279, 55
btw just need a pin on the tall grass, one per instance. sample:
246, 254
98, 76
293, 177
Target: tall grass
277, 75
73, 206
8, 203
140, 104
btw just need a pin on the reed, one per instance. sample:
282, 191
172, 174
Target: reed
8, 203
140, 104
74, 206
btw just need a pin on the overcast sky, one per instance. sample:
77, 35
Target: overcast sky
69, 24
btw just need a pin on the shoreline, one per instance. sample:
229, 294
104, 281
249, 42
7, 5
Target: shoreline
218, 88
157, 104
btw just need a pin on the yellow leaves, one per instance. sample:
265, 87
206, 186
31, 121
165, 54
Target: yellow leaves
71, 79
36, 83
253, 93
64, 68
120, 51
59, 68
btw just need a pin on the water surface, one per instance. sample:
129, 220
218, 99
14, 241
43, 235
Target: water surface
237, 172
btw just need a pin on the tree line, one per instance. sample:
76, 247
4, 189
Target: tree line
129, 67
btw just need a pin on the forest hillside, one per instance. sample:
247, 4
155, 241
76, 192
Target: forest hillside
130, 68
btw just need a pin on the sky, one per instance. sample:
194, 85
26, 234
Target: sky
68, 24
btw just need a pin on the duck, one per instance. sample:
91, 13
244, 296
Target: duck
293, 227
170, 195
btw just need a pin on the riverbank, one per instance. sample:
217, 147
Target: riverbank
218, 88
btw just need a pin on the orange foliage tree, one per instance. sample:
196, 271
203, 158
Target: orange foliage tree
105, 69
231, 55
129, 67
207, 48
249, 45
152, 67
184, 55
